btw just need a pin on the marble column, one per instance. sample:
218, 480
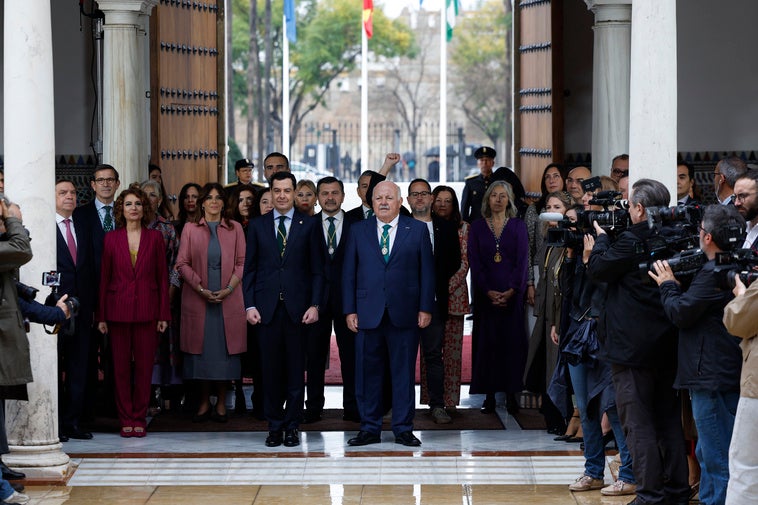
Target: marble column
29, 140
653, 93
125, 124
610, 81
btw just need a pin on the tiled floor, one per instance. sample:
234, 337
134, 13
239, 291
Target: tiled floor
501, 467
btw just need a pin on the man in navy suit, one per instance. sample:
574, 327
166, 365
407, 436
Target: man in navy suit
283, 286
334, 227
388, 294
76, 266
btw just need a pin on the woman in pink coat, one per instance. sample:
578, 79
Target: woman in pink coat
133, 304
213, 330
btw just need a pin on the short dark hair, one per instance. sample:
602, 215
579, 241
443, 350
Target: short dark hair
624, 157
280, 176
719, 221
151, 167
420, 181
104, 166
650, 193
750, 174
118, 206
690, 168
329, 180
271, 155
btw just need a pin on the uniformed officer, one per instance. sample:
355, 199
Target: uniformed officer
476, 185
244, 171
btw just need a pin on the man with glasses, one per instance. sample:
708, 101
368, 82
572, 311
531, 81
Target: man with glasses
447, 259
725, 176
574, 182
620, 167
746, 202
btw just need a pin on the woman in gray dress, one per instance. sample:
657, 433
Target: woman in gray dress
213, 330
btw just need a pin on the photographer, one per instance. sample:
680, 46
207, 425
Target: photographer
640, 345
709, 358
740, 320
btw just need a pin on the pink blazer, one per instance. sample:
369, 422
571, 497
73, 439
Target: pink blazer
133, 294
192, 264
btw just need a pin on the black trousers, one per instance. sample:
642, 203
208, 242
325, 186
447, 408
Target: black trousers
282, 344
431, 339
650, 413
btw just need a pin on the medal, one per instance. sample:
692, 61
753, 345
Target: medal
385, 251
331, 250
498, 258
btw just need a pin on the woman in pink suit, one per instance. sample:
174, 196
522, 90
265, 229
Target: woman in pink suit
214, 329
133, 304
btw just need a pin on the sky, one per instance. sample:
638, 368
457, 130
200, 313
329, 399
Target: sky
392, 8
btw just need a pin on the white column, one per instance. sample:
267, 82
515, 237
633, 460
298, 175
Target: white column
125, 127
653, 90
29, 140
610, 86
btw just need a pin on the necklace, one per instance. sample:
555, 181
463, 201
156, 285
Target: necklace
498, 257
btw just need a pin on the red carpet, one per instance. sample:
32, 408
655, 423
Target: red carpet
334, 376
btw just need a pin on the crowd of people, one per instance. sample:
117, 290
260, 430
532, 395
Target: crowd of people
249, 281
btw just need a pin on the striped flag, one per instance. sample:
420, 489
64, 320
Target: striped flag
289, 16
453, 7
368, 17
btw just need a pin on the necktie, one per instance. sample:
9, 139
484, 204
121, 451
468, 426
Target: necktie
281, 235
108, 219
386, 242
331, 236
369, 213
70, 240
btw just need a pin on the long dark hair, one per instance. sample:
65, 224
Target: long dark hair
182, 220
206, 191
118, 207
540, 204
232, 203
455, 215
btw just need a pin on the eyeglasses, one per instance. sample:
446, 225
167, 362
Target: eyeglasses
102, 181
416, 194
700, 227
742, 196
620, 171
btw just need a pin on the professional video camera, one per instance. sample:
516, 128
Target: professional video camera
52, 279
731, 264
614, 218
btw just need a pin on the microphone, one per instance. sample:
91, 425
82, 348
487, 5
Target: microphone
551, 216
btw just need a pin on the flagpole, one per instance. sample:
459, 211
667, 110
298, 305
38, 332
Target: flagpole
285, 90
443, 92
364, 100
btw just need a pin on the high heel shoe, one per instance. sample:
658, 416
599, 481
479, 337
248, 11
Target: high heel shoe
488, 407
571, 429
219, 418
127, 431
201, 418
139, 432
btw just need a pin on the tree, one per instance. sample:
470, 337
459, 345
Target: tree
481, 66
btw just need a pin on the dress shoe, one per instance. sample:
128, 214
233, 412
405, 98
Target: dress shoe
511, 404
127, 431
77, 434
219, 418
291, 439
140, 432
407, 438
274, 439
488, 407
440, 416
201, 418
63, 438
364, 438
9, 474
351, 416
310, 417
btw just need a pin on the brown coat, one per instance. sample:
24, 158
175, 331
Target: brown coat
192, 264
741, 321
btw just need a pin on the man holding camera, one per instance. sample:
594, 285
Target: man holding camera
709, 358
642, 355
77, 279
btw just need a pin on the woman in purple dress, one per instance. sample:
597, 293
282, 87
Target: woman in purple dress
498, 249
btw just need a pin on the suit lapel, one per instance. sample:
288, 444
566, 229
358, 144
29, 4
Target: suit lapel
294, 233
403, 230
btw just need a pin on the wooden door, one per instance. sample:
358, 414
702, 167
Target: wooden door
539, 97
187, 111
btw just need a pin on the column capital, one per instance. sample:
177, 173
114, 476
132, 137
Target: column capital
125, 11
611, 10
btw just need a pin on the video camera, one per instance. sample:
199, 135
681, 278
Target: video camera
52, 279
731, 264
614, 218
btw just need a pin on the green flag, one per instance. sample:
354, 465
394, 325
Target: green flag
453, 7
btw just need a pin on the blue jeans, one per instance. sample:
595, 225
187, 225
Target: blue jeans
594, 450
714, 413
5, 489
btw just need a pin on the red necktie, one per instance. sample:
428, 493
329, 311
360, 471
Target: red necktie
70, 239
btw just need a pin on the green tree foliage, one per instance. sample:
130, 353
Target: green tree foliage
481, 70
328, 45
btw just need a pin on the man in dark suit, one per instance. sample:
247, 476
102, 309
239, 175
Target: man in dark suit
447, 260
476, 185
685, 182
283, 286
388, 294
334, 234
96, 218
76, 266
746, 202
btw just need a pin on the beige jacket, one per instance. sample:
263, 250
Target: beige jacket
741, 320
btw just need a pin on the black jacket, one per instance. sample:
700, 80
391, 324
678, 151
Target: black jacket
637, 332
447, 260
709, 357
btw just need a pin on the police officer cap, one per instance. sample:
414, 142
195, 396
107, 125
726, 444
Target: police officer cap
243, 163
485, 152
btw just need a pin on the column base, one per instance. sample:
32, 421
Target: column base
44, 462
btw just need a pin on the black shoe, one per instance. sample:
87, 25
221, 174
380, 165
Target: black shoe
407, 438
290, 438
310, 417
219, 418
77, 434
365, 438
608, 438
274, 439
9, 474
488, 407
201, 418
352, 417
511, 404
563, 438
63, 438
19, 488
